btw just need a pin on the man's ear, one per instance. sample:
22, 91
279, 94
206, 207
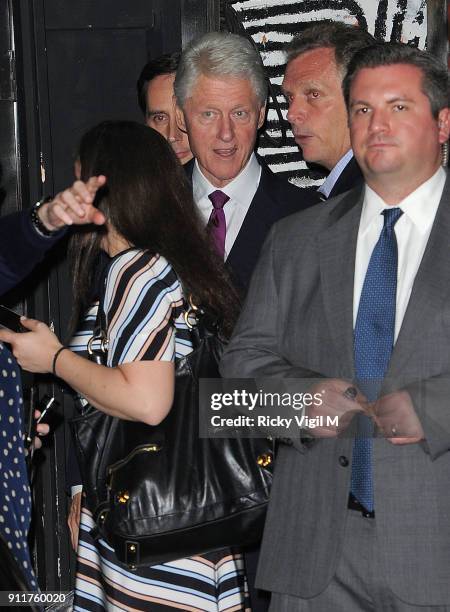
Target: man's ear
180, 119
261, 116
444, 124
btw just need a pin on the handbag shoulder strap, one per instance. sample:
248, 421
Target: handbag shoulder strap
200, 322
100, 330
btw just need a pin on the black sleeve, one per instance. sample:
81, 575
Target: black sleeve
21, 248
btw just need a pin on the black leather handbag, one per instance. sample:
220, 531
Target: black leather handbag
162, 493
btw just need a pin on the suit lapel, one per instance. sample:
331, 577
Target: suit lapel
256, 222
259, 219
337, 247
430, 288
349, 178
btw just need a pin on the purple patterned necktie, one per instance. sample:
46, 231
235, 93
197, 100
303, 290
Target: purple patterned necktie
216, 224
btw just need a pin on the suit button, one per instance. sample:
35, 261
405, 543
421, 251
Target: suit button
343, 461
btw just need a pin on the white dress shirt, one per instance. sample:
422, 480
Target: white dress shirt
240, 190
412, 231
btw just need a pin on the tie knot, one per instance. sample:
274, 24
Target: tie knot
391, 216
218, 198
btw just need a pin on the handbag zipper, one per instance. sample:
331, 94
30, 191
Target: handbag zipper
149, 448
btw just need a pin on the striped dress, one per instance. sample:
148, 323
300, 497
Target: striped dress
144, 310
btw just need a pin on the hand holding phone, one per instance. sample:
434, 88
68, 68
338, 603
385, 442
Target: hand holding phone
11, 320
45, 406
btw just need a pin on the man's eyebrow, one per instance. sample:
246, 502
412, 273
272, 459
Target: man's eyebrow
151, 111
400, 99
388, 100
355, 102
285, 90
302, 86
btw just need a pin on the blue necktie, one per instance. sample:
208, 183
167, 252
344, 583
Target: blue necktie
373, 342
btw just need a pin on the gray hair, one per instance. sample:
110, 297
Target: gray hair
220, 55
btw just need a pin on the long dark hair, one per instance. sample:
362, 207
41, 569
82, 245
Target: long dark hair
148, 200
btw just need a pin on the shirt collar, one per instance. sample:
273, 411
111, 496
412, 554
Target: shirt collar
335, 173
420, 206
235, 189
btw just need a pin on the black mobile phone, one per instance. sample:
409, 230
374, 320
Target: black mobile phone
11, 320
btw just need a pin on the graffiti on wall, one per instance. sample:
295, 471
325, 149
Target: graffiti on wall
272, 23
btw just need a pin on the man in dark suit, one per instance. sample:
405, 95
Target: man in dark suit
357, 292
221, 90
317, 60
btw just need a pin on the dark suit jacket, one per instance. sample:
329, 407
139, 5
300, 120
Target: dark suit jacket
21, 248
274, 199
298, 316
349, 178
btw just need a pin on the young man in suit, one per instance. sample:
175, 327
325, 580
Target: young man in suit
157, 102
359, 523
221, 90
317, 60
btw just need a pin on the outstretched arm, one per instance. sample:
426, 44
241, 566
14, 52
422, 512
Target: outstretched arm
137, 391
73, 206
22, 246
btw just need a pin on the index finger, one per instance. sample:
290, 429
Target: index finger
95, 182
32, 324
7, 335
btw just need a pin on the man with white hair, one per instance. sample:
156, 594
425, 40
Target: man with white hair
221, 91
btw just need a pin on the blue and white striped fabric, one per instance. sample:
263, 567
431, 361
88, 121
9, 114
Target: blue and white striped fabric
214, 582
144, 308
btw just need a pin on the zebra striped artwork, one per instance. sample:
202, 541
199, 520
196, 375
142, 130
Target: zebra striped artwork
272, 23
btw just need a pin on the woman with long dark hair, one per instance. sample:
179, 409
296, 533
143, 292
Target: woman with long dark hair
159, 254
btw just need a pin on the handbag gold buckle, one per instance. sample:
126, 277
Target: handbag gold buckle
264, 460
190, 315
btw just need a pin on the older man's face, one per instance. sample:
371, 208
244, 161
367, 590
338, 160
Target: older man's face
222, 117
312, 85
